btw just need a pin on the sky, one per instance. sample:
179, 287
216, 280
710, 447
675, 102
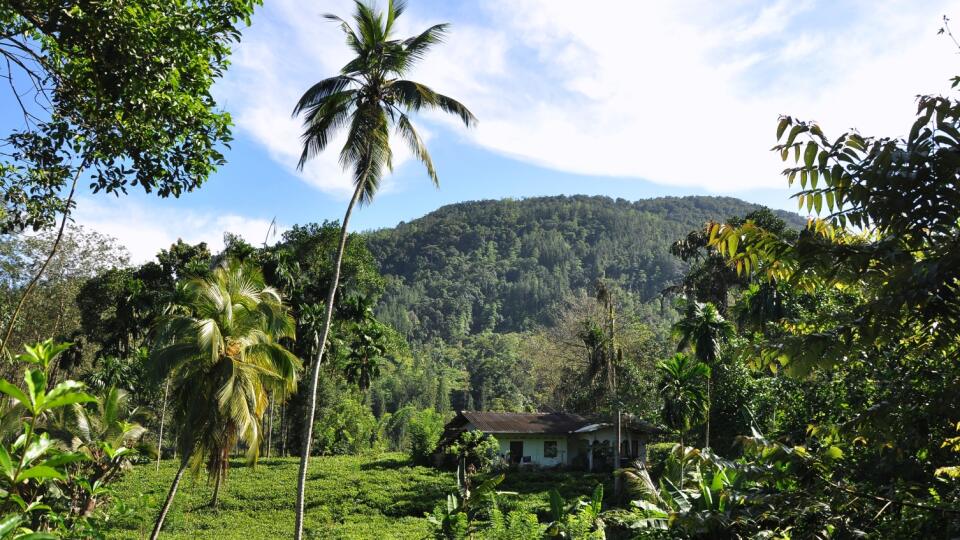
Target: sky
623, 98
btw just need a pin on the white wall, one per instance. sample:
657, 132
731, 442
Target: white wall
533, 447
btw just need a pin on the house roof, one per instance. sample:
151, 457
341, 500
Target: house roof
507, 422
541, 423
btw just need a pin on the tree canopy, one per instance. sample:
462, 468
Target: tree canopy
115, 92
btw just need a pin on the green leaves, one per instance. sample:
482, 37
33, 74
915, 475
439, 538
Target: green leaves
810, 154
43, 353
37, 400
38, 461
18, 395
133, 103
9, 523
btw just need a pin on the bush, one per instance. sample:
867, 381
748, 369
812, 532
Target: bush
478, 450
517, 525
63, 449
346, 428
657, 454
424, 431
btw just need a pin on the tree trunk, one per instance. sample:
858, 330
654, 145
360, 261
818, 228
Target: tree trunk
283, 431
215, 501
616, 455
163, 416
315, 373
706, 443
617, 478
36, 277
270, 426
166, 505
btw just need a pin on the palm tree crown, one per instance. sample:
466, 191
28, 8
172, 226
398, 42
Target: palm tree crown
221, 350
682, 389
370, 95
703, 328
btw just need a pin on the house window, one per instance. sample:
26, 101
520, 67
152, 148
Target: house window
549, 449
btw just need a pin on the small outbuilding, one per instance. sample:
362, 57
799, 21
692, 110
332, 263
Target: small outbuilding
555, 439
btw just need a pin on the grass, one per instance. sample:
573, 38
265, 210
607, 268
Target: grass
348, 497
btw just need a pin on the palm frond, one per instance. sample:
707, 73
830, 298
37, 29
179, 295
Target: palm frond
412, 95
321, 92
452, 106
353, 41
322, 121
416, 47
367, 150
419, 150
369, 23
395, 8
165, 360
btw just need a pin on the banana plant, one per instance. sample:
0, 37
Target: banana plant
452, 519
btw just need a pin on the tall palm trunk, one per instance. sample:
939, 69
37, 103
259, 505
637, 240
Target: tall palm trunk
169, 501
315, 373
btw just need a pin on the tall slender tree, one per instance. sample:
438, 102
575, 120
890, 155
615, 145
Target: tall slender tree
368, 97
703, 329
220, 351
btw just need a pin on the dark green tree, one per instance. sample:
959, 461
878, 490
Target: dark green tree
682, 384
704, 330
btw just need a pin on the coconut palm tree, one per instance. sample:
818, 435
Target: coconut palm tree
703, 329
367, 99
220, 351
681, 387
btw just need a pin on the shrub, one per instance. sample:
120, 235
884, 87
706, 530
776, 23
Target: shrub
346, 428
424, 431
518, 525
657, 454
477, 450
64, 447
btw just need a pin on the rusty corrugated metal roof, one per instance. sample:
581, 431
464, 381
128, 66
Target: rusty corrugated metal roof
555, 423
507, 422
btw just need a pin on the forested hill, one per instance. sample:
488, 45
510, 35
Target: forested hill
504, 265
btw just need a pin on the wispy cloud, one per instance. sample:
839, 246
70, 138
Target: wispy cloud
146, 229
680, 93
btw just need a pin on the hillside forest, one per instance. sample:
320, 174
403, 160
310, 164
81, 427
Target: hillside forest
801, 373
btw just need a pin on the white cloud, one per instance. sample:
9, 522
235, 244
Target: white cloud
680, 93
281, 57
144, 230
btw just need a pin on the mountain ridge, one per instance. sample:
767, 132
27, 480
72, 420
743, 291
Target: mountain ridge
504, 264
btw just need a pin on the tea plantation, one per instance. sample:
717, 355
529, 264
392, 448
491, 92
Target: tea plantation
348, 497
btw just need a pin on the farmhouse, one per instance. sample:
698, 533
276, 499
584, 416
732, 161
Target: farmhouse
555, 439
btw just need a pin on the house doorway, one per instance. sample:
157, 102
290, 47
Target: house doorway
516, 451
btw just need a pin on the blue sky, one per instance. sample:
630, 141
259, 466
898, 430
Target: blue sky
621, 98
